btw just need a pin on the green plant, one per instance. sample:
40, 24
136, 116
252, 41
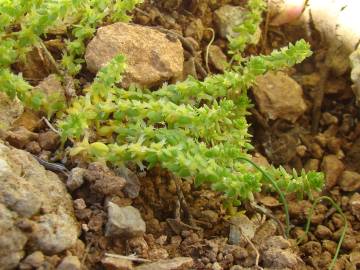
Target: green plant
195, 129
192, 128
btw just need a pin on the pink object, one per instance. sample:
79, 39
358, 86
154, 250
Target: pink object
288, 12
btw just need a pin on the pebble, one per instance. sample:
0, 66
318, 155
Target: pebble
349, 181
355, 205
35, 260
333, 168
125, 221
111, 263
217, 58
70, 263
179, 263
76, 178
239, 226
323, 232
278, 96
79, 204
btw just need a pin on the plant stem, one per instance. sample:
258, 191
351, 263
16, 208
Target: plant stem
337, 207
278, 190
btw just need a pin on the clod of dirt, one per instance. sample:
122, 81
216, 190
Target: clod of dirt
124, 221
49, 140
51, 86
20, 136
37, 202
152, 58
227, 17
180, 263
279, 97
34, 260
36, 66
349, 181
217, 58
333, 168
10, 110
355, 205
69, 263
116, 263
102, 180
28, 119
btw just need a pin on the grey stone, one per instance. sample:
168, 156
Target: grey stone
227, 17
239, 226
132, 186
152, 58
124, 221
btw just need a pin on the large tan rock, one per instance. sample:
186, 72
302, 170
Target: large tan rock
35, 208
152, 57
279, 96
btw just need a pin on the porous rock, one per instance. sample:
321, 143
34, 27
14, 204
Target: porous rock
124, 221
279, 97
151, 56
35, 208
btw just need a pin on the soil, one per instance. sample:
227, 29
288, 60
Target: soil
194, 223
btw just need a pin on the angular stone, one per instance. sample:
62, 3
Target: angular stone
217, 58
111, 263
180, 263
69, 263
35, 259
279, 97
355, 205
349, 181
124, 221
151, 56
333, 168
